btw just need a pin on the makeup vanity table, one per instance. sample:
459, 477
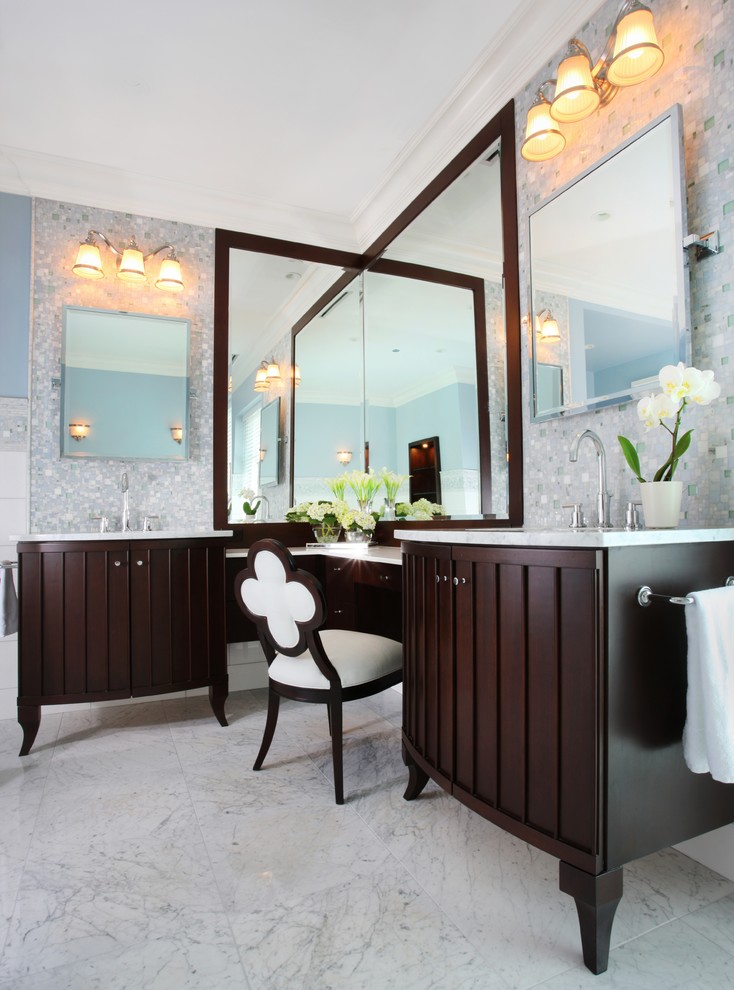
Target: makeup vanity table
541, 694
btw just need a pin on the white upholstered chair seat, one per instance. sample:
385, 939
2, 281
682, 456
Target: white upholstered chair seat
358, 658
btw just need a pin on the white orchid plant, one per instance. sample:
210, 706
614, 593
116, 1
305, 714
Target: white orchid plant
250, 504
680, 387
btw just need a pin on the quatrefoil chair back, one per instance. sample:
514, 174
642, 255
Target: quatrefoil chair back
306, 663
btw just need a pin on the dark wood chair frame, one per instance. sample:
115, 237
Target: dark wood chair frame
309, 639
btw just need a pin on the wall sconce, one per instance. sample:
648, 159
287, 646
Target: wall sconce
268, 375
177, 433
131, 266
78, 431
548, 332
296, 375
344, 456
263, 452
631, 55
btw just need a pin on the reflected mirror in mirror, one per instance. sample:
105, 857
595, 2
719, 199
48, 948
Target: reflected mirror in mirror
609, 297
421, 381
124, 385
268, 295
269, 444
461, 234
329, 404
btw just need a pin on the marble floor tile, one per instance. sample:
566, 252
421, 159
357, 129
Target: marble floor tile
140, 851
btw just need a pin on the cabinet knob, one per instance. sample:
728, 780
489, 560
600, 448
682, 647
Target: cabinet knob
139, 563
459, 580
118, 563
338, 611
438, 579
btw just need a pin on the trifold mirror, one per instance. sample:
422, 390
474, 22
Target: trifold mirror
417, 338
609, 295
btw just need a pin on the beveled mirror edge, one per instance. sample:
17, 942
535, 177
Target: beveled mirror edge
502, 127
674, 113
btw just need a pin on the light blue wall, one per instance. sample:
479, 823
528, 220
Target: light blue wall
15, 281
381, 435
321, 430
120, 405
450, 414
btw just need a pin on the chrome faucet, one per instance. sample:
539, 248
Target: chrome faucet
266, 510
125, 503
603, 497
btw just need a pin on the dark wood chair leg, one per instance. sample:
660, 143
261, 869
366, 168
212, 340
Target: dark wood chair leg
335, 711
417, 780
596, 902
29, 719
217, 696
273, 708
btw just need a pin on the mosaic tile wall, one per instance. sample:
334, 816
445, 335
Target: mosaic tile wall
698, 40
13, 424
65, 492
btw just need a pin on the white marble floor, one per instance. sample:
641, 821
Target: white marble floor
139, 850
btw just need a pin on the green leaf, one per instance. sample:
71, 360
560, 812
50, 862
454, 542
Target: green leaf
682, 446
630, 455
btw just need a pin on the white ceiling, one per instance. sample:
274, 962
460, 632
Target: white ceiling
313, 120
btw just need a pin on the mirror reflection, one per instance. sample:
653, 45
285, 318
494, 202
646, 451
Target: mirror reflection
608, 299
124, 385
421, 381
268, 295
329, 425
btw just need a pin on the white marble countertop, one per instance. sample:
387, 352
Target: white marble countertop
588, 538
377, 554
160, 534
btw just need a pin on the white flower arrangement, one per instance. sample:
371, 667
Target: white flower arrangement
680, 387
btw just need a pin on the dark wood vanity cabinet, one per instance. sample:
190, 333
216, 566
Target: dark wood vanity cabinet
540, 694
109, 620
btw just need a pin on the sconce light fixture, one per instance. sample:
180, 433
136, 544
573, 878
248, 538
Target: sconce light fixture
263, 452
131, 265
296, 375
268, 375
631, 55
78, 431
548, 331
177, 433
344, 456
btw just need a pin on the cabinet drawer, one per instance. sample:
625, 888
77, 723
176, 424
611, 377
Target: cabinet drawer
379, 575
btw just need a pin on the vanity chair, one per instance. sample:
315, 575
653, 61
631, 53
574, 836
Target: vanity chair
306, 663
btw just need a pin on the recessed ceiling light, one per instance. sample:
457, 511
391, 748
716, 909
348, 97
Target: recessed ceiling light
601, 215
293, 275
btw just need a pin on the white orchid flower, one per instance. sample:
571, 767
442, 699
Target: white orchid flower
646, 412
703, 388
665, 406
673, 380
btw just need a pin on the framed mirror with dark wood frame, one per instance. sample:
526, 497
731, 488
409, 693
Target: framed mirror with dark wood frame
458, 237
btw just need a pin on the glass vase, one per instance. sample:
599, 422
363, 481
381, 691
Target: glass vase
326, 533
357, 536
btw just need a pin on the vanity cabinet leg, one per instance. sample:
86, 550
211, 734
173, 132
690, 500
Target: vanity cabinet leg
29, 719
417, 780
217, 696
596, 899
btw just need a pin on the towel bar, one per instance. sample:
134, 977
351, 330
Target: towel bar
7, 565
644, 594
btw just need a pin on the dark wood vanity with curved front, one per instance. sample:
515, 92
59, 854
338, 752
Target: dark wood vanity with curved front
539, 693
120, 616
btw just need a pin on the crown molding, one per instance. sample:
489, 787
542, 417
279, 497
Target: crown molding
29, 173
530, 39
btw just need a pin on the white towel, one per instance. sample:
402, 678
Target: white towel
8, 602
708, 736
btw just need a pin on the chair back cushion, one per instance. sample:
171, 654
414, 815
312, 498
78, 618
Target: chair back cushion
284, 603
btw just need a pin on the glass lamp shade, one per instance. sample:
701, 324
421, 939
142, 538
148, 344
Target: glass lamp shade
296, 375
273, 373
132, 265
576, 96
169, 277
543, 140
637, 54
177, 433
78, 431
261, 380
549, 330
88, 262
